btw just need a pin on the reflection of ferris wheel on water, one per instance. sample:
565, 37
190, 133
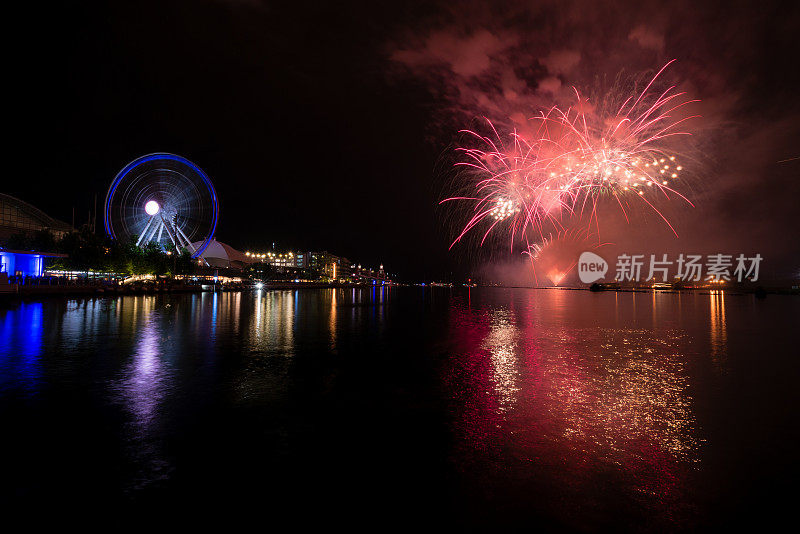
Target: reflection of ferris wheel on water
163, 199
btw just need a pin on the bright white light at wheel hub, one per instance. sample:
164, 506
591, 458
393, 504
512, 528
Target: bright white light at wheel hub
152, 207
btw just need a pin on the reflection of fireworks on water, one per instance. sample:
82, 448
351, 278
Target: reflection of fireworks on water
571, 159
576, 398
556, 255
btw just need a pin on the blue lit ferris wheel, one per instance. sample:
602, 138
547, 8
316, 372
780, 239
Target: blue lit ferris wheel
163, 199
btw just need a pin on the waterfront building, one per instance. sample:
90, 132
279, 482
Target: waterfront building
330, 266
24, 263
20, 218
319, 264
294, 260
286, 259
366, 274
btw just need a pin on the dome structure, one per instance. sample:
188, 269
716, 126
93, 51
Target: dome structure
221, 255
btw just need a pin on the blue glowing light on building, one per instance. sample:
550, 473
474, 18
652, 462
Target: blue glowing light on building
22, 263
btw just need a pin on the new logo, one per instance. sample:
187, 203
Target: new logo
591, 267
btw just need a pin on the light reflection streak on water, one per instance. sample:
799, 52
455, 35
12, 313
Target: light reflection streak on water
275, 317
630, 390
332, 320
380, 301
718, 327
501, 343
259, 315
614, 395
231, 310
142, 388
145, 377
644, 395
214, 306
271, 344
21, 344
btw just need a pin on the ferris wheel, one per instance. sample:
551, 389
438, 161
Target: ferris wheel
163, 199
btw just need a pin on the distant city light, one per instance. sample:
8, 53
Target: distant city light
331, 267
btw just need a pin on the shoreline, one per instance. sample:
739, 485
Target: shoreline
23, 291
20, 292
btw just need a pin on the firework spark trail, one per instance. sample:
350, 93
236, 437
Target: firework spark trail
557, 254
572, 159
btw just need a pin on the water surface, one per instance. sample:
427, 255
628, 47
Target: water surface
488, 408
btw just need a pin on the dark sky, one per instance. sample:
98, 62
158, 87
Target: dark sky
326, 125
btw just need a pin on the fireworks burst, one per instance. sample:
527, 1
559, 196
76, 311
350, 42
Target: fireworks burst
556, 255
572, 159
504, 209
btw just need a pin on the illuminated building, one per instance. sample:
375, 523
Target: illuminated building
321, 264
366, 274
296, 260
330, 266
18, 217
24, 262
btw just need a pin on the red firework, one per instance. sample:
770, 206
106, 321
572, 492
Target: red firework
573, 158
556, 255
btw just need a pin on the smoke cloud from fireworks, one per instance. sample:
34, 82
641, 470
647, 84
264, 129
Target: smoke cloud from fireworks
481, 63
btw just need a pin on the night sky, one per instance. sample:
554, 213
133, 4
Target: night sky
327, 125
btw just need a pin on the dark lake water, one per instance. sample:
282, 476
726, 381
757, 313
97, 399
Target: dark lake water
491, 408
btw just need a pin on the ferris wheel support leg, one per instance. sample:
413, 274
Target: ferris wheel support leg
188, 243
144, 232
172, 237
160, 229
153, 231
181, 242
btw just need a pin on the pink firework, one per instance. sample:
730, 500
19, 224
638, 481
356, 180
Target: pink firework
572, 159
506, 182
555, 256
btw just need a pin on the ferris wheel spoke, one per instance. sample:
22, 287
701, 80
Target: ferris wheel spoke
172, 237
144, 232
153, 231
